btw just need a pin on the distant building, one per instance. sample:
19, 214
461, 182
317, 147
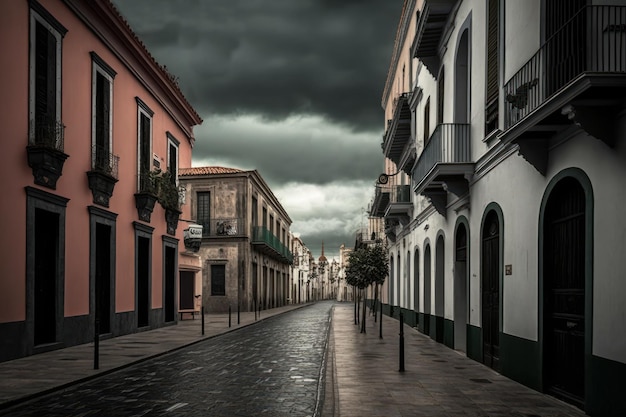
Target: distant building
245, 254
503, 195
87, 113
299, 270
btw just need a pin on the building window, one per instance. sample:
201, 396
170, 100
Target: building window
493, 65
440, 95
172, 156
218, 279
271, 224
265, 217
427, 121
255, 214
101, 113
46, 35
203, 212
144, 144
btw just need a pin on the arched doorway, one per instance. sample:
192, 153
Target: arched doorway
460, 288
427, 294
391, 278
407, 297
416, 281
564, 278
490, 268
439, 289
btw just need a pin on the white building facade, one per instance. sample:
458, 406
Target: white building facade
505, 146
299, 270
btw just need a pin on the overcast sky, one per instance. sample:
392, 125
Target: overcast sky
291, 88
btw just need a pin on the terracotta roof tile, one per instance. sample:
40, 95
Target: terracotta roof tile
188, 172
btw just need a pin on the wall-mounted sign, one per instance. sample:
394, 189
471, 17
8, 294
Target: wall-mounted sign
192, 237
508, 269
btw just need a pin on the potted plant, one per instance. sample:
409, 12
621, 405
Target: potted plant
103, 175
147, 196
169, 198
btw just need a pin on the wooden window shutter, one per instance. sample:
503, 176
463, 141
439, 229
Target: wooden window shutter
492, 50
440, 96
45, 77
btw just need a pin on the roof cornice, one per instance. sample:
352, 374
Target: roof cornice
107, 23
401, 34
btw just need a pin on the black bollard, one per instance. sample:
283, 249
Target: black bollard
238, 314
229, 317
254, 310
401, 342
259, 311
96, 345
202, 313
381, 320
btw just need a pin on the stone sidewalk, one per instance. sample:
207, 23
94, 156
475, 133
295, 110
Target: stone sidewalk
35, 375
437, 381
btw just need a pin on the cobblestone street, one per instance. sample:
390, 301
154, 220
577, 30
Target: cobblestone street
271, 369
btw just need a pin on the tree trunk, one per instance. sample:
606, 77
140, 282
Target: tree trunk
358, 307
364, 314
375, 306
356, 320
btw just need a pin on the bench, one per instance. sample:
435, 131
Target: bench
188, 311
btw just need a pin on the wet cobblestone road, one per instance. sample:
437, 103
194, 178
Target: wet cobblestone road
271, 368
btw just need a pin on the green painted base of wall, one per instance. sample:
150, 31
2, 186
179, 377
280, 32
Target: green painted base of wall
409, 317
425, 323
520, 360
448, 333
474, 343
606, 386
436, 328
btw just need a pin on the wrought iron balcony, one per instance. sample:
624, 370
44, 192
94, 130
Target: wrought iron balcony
578, 75
48, 132
398, 129
45, 151
381, 201
266, 242
224, 228
103, 174
400, 207
104, 161
431, 23
445, 164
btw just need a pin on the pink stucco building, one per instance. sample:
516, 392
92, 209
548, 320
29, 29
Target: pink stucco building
85, 111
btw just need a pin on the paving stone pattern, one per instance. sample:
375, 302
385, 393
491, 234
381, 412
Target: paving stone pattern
269, 369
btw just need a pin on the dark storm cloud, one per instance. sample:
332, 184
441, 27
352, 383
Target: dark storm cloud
274, 58
301, 150
291, 88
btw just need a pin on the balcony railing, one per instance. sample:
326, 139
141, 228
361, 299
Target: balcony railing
48, 132
398, 128
590, 42
262, 236
381, 201
449, 144
104, 161
228, 227
401, 194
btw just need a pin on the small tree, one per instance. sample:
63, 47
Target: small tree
367, 265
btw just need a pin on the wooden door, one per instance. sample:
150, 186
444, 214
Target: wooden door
564, 291
491, 291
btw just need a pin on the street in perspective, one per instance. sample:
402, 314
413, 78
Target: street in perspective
309, 361
316, 208
271, 368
